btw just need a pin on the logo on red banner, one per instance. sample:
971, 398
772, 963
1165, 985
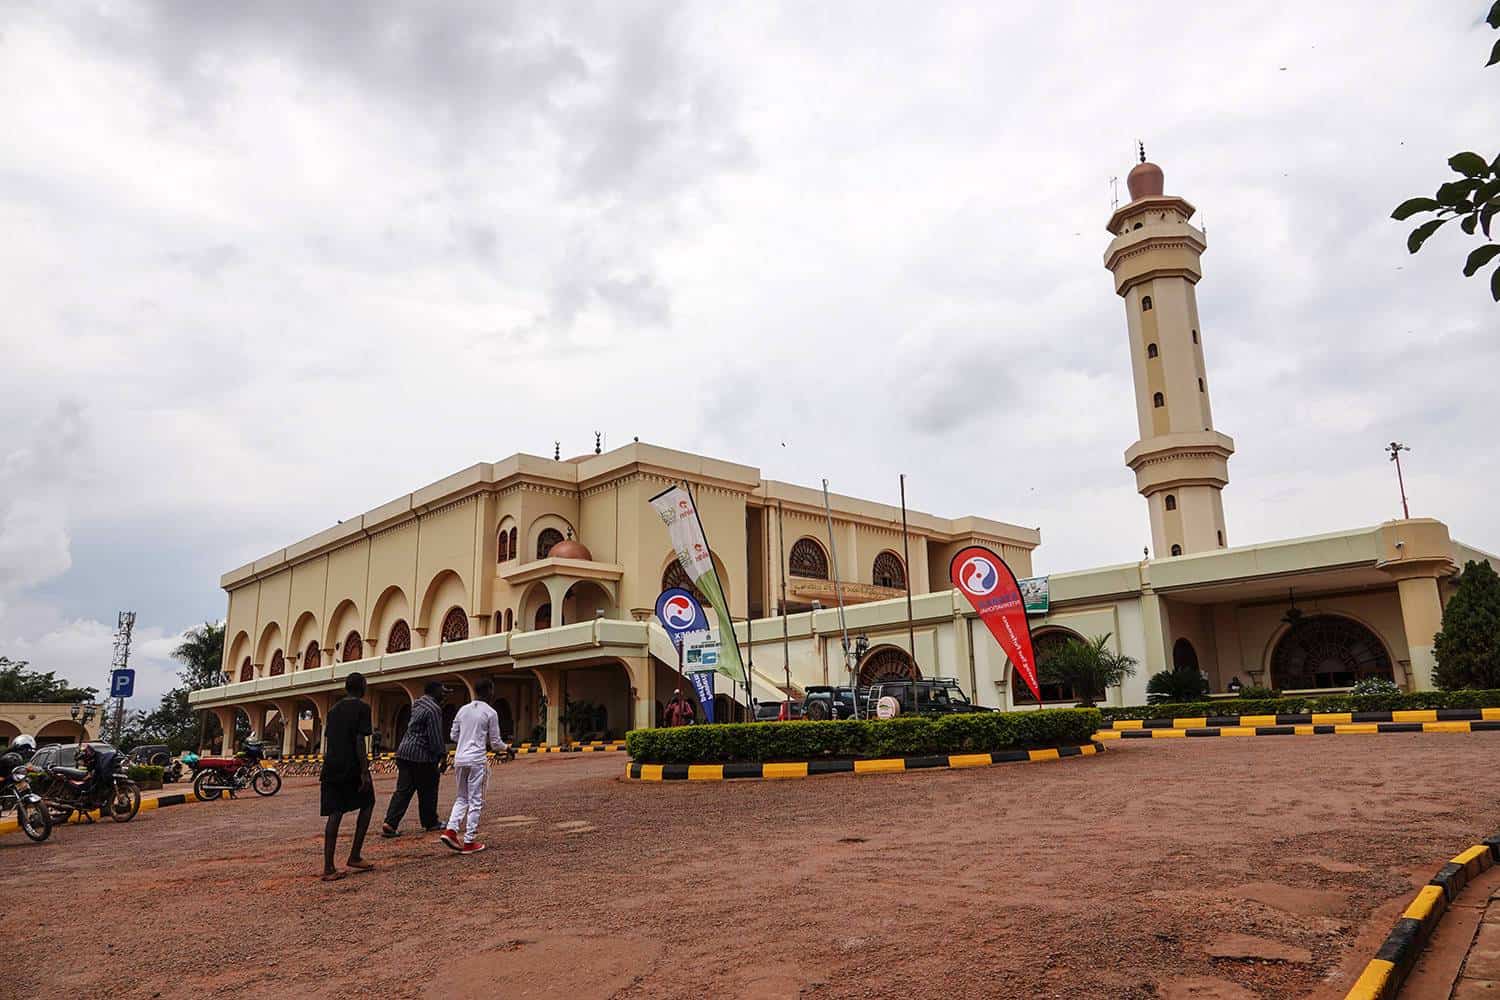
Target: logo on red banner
991, 588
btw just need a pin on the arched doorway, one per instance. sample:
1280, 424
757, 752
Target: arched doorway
1323, 651
583, 602
598, 701
543, 617
60, 731
403, 720
1045, 644
308, 737
1184, 656
887, 663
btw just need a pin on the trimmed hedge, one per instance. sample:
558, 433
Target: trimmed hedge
145, 772
1306, 703
760, 742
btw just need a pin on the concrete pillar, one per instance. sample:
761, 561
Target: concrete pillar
552, 689
287, 710
642, 691
1154, 624
1422, 618
226, 717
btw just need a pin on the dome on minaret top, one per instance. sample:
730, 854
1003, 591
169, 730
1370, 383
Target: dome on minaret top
1144, 180
570, 548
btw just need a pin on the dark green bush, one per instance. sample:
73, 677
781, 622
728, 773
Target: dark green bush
144, 772
1176, 686
1255, 691
911, 736
1307, 703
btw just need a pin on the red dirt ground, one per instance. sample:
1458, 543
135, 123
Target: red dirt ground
1204, 869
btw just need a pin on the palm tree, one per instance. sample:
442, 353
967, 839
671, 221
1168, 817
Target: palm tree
1090, 667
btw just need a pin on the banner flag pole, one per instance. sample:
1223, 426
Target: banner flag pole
992, 588
786, 635
911, 630
838, 590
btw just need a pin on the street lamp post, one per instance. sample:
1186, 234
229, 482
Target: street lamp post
1395, 448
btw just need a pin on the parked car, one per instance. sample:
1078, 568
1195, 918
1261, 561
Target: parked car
61, 755
151, 753
824, 702
929, 696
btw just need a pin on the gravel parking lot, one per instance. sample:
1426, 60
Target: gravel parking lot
1192, 869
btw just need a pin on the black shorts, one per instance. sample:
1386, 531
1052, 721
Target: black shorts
347, 796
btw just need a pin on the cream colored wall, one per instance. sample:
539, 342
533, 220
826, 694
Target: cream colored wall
1251, 632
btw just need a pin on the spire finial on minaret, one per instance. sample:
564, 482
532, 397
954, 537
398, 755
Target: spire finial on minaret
598, 443
1142, 146
557, 451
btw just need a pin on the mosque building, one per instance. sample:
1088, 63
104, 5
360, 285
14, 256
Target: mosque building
542, 574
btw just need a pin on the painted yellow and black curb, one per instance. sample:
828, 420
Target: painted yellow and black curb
156, 802
1383, 975
598, 746
1316, 729
811, 768
1410, 721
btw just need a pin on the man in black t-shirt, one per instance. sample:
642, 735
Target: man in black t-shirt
346, 780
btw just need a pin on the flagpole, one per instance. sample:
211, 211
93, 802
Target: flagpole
838, 591
786, 635
911, 630
732, 636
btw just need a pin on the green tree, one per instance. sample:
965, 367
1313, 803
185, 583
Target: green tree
1473, 199
1468, 647
174, 722
1089, 667
20, 683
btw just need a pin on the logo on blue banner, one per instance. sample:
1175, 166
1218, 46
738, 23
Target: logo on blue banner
703, 686
121, 683
680, 614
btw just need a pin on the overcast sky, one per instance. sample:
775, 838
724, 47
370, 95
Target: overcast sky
267, 265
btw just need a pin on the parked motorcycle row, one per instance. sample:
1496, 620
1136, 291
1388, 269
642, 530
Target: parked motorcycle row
44, 792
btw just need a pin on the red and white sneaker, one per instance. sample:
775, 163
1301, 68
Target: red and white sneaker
472, 847
450, 840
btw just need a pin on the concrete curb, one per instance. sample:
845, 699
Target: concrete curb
1383, 975
811, 768
156, 802
1316, 729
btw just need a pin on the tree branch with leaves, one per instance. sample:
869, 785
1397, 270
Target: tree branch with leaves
1473, 199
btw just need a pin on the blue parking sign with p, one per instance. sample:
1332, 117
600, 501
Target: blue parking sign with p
121, 683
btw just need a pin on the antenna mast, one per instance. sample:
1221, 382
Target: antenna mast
124, 626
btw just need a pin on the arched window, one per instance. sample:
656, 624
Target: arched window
1171, 502
1151, 351
1136, 226
515, 550
807, 560
544, 542
354, 647
1323, 651
888, 570
1195, 336
1158, 400
1146, 303
278, 664
1177, 550
313, 658
399, 641
510, 619
1200, 386
1221, 539
888, 664
455, 626
499, 621
675, 576
247, 670
543, 617
503, 547
1184, 656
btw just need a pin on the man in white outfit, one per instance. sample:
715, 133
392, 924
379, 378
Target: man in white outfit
476, 729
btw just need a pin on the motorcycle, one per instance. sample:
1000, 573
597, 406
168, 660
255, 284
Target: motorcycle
16, 793
66, 790
246, 769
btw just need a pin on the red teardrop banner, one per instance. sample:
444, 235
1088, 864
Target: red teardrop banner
991, 588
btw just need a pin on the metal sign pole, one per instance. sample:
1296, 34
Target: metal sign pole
838, 590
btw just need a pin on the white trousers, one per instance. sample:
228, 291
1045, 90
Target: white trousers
470, 798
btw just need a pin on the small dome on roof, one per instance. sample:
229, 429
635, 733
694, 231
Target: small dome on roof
570, 548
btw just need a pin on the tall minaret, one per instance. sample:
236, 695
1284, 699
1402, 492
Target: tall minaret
1180, 462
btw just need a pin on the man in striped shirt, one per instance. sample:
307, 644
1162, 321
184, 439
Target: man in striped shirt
418, 758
